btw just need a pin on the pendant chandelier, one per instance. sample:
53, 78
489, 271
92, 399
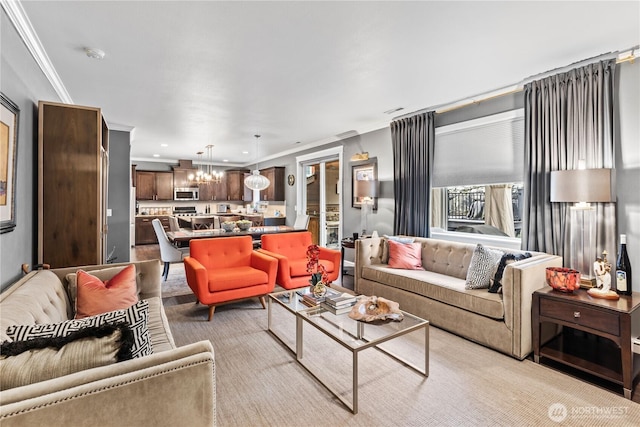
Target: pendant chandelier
255, 181
206, 176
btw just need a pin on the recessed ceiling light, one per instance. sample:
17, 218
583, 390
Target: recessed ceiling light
156, 155
225, 160
393, 110
245, 152
164, 145
94, 53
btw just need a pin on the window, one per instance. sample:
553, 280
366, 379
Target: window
477, 177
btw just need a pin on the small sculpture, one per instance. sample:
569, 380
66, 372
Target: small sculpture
602, 270
376, 309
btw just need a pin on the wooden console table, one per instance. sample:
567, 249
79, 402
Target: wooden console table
604, 349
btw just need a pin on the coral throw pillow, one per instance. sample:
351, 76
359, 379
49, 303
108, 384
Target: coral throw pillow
96, 296
407, 256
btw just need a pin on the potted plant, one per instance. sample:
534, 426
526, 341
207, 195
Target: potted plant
319, 277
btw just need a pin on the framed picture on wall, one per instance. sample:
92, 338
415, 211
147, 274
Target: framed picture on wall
364, 183
8, 151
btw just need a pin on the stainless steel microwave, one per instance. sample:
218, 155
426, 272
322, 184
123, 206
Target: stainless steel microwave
186, 193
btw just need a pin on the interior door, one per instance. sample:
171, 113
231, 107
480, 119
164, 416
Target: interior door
319, 181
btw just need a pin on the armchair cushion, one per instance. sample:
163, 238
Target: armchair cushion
234, 278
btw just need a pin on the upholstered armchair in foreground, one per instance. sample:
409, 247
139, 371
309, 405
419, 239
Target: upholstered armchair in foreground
291, 251
225, 269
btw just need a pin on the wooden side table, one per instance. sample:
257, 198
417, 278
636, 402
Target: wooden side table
605, 350
348, 243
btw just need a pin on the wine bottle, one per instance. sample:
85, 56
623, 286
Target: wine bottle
623, 269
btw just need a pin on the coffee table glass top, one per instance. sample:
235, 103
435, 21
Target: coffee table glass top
342, 327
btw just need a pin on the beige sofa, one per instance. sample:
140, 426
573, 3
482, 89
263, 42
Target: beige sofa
173, 386
500, 321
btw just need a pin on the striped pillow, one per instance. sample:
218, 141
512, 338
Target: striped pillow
135, 316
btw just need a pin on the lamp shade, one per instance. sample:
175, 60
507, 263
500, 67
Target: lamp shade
583, 185
255, 181
366, 189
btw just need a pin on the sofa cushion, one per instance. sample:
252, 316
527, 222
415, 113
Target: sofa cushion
39, 359
482, 268
136, 317
405, 255
440, 287
158, 325
96, 296
506, 259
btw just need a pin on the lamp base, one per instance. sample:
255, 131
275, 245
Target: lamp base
587, 282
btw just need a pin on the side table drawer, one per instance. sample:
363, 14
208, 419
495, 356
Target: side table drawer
580, 315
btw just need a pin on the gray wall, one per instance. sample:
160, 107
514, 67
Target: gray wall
119, 196
23, 83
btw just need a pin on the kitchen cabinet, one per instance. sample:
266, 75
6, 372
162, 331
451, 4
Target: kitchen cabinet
73, 158
236, 190
275, 191
214, 191
145, 234
152, 185
181, 177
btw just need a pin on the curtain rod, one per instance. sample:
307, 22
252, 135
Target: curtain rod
628, 55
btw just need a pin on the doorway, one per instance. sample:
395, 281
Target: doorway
319, 195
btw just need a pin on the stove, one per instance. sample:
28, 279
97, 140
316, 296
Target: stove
184, 211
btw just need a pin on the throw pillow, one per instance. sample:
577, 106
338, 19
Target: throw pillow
508, 258
385, 245
135, 316
96, 297
102, 274
40, 359
482, 268
406, 256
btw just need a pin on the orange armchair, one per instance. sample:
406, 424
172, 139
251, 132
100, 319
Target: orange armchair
291, 251
225, 269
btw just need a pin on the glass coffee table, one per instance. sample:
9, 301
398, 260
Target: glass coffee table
351, 334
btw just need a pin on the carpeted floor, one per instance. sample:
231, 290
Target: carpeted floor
259, 383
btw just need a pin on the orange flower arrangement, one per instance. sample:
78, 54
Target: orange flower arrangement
317, 270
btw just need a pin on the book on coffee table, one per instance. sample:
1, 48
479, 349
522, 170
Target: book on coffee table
336, 310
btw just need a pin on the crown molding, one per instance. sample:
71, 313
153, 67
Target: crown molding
22, 24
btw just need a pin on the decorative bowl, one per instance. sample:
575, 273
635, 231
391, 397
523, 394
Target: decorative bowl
228, 225
563, 279
244, 224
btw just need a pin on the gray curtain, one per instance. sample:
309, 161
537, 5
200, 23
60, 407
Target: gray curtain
568, 117
413, 141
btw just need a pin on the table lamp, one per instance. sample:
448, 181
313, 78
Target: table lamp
366, 190
583, 187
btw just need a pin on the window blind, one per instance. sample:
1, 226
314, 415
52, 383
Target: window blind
488, 150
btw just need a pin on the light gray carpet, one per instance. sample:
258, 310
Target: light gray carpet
259, 383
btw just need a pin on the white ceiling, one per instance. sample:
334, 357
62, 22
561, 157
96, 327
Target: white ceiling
191, 73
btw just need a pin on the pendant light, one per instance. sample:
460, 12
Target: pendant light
255, 181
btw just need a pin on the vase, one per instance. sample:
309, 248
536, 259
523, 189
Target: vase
319, 289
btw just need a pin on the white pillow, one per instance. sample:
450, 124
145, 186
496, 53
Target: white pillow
482, 268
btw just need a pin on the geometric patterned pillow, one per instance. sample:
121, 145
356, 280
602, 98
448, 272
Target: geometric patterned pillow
482, 268
135, 316
508, 258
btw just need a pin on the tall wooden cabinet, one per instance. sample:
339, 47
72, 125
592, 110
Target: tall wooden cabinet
73, 147
275, 191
